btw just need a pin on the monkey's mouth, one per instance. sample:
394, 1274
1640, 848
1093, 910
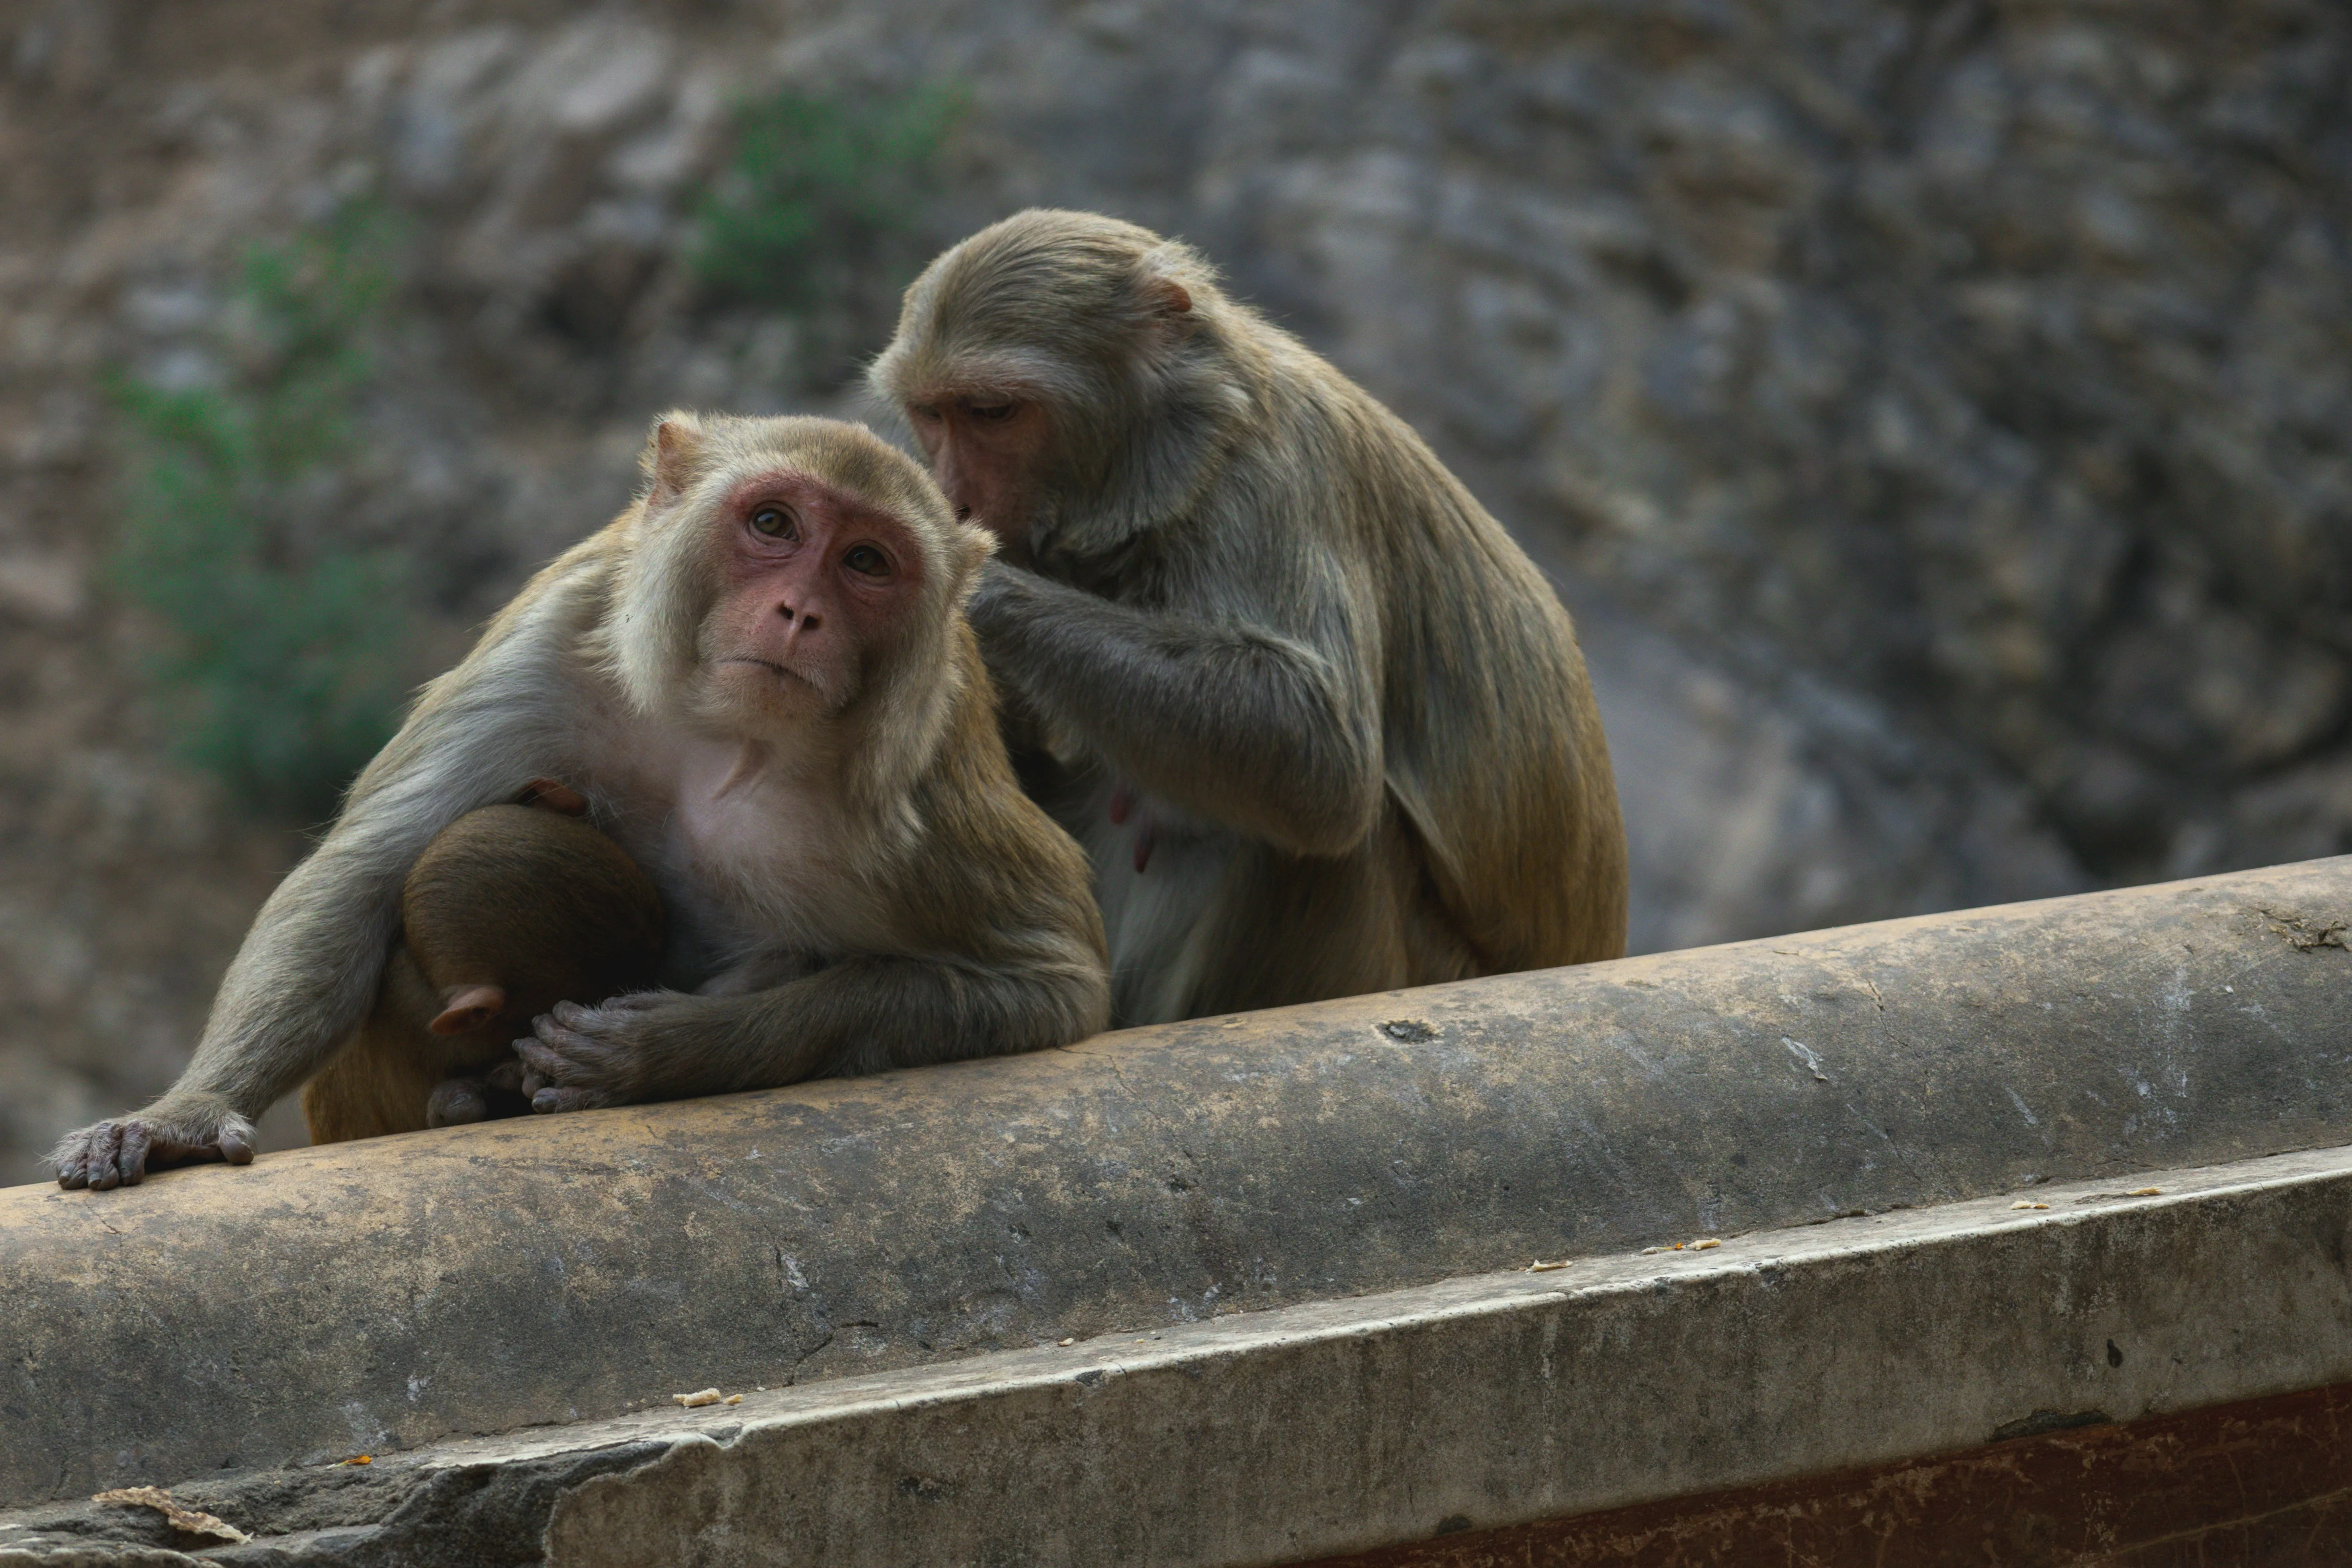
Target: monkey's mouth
788, 678
786, 671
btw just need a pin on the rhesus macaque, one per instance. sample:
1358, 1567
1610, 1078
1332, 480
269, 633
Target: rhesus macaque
510, 910
759, 679
1321, 725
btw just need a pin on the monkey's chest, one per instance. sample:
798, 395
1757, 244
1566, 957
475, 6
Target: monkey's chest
1158, 876
755, 874
747, 870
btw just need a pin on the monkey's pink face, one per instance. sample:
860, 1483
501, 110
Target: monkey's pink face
813, 581
985, 453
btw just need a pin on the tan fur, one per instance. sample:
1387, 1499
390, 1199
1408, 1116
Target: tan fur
543, 907
1354, 713
850, 888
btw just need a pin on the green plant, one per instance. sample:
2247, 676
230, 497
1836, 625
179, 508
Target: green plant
281, 658
820, 196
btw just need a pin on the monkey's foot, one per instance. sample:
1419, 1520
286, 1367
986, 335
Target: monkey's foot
455, 1101
120, 1151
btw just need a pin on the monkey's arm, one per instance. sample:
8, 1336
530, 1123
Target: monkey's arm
300, 985
1004, 953
860, 1015
1239, 722
308, 971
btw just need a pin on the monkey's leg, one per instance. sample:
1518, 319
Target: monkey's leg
377, 1086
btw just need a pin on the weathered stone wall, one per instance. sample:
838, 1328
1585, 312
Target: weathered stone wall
1938, 415
1251, 1289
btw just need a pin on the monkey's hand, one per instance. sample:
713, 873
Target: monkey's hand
584, 1058
119, 1151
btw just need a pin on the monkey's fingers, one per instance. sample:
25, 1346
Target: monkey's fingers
506, 1076
555, 1101
73, 1162
159, 1151
139, 1141
98, 1164
543, 1063
633, 1002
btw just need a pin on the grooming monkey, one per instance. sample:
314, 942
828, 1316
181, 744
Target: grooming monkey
510, 910
1321, 725
759, 679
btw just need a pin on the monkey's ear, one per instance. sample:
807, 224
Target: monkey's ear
470, 1009
670, 456
1169, 296
1162, 294
974, 547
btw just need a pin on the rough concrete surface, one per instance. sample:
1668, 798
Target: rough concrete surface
1335, 1425
379, 1295
2264, 1482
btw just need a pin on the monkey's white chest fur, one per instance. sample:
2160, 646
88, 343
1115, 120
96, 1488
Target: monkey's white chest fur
1157, 876
750, 860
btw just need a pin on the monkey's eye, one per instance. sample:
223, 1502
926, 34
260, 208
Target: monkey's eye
924, 411
774, 522
867, 562
989, 411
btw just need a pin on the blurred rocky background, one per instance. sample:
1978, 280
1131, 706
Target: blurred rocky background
1939, 415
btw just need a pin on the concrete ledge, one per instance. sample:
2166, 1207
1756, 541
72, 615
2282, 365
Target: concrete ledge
373, 1298
2266, 1480
1282, 1435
